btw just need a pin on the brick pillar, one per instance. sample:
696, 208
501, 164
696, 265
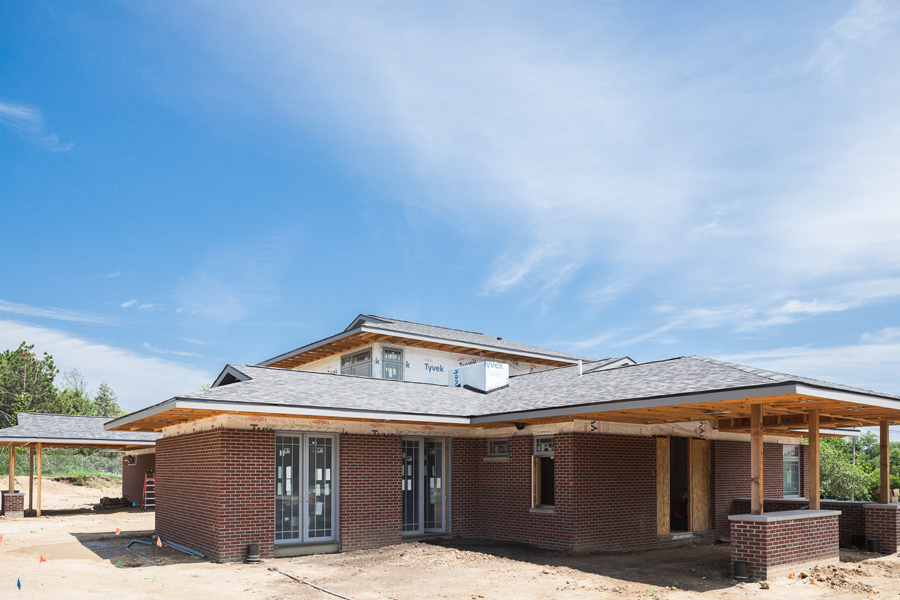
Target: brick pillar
776, 544
13, 505
883, 524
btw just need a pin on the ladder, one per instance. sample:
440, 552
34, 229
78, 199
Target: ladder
149, 490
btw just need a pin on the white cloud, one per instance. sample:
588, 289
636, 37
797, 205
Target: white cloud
173, 352
863, 24
128, 303
885, 335
146, 306
59, 314
138, 380
111, 275
29, 123
868, 366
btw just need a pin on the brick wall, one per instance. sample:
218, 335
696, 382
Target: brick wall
730, 474
776, 548
13, 505
852, 519
215, 491
883, 523
370, 497
133, 476
605, 493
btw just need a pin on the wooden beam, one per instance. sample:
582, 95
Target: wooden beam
814, 472
885, 447
756, 460
30, 478
38, 475
12, 468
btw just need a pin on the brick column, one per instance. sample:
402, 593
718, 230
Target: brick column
776, 544
883, 523
13, 505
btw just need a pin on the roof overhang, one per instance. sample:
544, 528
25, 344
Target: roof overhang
185, 410
366, 334
114, 445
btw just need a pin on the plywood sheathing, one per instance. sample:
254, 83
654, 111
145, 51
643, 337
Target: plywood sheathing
699, 485
814, 473
663, 489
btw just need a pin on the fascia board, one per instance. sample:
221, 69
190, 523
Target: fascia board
92, 442
449, 341
652, 402
805, 389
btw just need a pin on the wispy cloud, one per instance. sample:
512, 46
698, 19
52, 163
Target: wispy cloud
147, 306
58, 314
162, 351
111, 275
865, 23
138, 380
128, 303
29, 123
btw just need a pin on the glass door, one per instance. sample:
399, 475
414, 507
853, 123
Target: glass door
412, 486
305, 495
424, 481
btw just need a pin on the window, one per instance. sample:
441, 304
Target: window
357, 364
543, 479
791, 454
393, 364
499, 447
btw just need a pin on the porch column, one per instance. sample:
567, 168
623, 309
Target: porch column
38, 474
30, 478
756, 459
12, 468
814, 486
885, 447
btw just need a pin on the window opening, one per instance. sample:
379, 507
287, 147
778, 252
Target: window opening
393, 364
357, 364
543, 445
543, 472
791, 462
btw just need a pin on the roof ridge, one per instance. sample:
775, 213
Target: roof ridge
22, 412
430, 325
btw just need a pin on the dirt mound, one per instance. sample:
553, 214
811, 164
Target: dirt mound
89, 480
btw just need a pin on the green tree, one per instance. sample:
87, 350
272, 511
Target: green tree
26, 382
105, 402
73, 398
840, 478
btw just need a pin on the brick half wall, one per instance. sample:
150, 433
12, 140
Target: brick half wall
773, 546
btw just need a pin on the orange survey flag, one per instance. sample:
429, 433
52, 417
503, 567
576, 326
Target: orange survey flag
118, 531
1, 537
159, 542
42, 559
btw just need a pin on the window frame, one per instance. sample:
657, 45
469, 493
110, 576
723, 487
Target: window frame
494, 454
786, 460
352, 364
385, 361
541, 456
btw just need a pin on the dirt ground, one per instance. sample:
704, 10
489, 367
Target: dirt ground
85, 559
61, 495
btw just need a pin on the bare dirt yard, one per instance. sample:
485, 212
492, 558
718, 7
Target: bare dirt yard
86, 559
59, 493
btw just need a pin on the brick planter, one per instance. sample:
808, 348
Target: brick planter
13, 505
776, 544
883, 523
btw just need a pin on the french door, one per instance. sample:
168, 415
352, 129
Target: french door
424, 482
305, 494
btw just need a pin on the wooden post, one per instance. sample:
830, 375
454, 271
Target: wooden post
38, 475
885, 446
814, 459
756, 460
30, 478
12, 468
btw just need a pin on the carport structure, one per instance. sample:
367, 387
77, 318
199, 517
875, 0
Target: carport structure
37, 431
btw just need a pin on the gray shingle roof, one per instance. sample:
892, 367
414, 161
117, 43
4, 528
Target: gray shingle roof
49, 427
554, 388
466, 337
271, 385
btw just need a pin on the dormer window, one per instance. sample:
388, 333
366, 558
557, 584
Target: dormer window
393, 363
357, 364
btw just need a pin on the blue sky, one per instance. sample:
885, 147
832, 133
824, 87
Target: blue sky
186, 184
